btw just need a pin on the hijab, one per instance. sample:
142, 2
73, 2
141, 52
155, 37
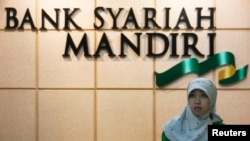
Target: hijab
189, 127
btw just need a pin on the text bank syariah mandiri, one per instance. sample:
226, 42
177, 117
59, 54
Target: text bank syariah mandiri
149, 27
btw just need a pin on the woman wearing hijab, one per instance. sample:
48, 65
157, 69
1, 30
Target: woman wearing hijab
192, 124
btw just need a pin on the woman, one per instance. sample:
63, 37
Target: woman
192, 124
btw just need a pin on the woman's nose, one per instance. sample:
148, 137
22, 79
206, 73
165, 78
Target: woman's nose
197, 100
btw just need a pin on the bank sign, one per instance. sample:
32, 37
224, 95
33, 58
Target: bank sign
143, 30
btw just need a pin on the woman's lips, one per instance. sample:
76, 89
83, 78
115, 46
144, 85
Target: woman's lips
197, 108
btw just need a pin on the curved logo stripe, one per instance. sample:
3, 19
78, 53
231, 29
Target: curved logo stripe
217, 60
187, 66
237, 76
227, 76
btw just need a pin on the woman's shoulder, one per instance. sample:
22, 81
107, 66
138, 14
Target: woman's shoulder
165, 138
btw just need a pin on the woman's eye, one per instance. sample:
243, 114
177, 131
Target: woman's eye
191, 95
204, 95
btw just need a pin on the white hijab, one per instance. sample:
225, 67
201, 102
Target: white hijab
187, 126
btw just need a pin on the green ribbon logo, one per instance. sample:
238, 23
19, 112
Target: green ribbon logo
227, 76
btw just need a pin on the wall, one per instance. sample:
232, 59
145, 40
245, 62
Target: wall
45, 97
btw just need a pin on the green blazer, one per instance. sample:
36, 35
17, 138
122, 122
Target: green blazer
165, 138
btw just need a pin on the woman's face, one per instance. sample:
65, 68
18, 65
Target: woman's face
198, 102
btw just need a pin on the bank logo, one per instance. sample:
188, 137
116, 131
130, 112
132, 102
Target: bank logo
226, 76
